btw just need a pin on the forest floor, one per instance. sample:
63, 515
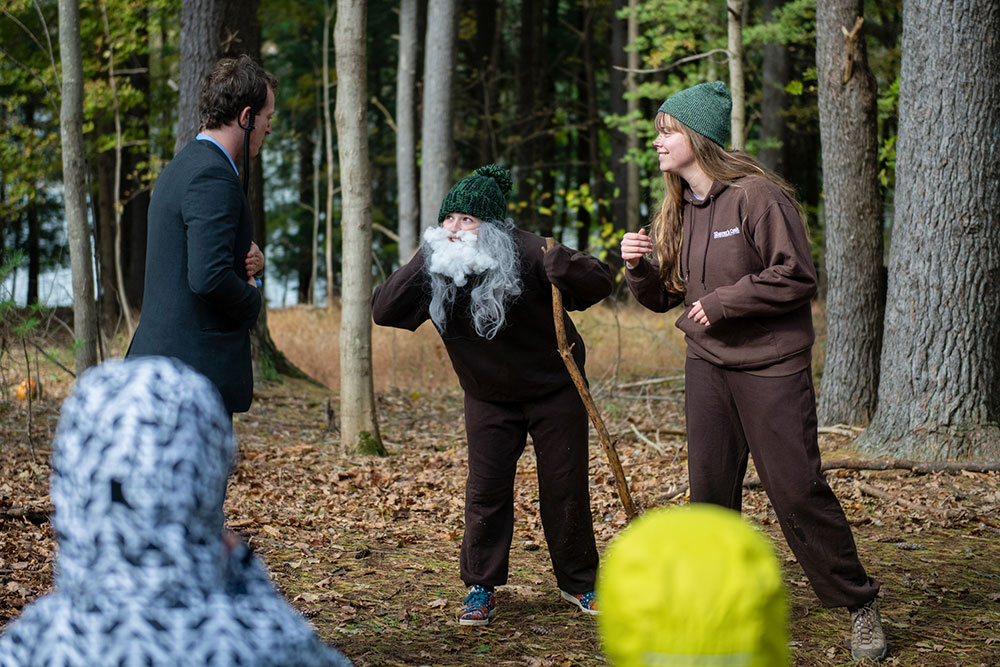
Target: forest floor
367, 548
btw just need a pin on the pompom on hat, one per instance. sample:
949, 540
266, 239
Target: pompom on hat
704, 108
693, 585
482, 194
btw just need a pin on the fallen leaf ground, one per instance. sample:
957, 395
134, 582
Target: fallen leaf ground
368, 548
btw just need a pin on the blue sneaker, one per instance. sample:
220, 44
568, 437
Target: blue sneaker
479, 606
585, 601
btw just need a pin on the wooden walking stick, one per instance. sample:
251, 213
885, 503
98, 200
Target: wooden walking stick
565, 351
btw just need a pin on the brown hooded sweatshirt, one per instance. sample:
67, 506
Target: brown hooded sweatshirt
745, 257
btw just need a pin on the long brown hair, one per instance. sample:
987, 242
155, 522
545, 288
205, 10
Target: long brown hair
667, 228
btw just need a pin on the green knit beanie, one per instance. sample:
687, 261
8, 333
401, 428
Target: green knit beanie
704, 108
482, 194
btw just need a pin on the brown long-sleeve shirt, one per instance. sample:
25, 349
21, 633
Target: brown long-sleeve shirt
746, 258
522, 361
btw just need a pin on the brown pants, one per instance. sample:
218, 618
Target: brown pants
731, 414
497, 434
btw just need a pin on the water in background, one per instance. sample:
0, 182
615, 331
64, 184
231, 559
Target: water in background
55, 288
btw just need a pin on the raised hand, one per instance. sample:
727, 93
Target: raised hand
634, 246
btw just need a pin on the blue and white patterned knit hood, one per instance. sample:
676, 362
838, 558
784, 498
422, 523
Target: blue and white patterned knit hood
139, 468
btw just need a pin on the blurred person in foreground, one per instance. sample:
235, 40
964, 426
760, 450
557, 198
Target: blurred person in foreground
692, 586
729, 244
145, 573
487, 287
201, 298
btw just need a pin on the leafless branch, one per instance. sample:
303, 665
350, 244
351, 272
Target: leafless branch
676, 63
385, 230
388, 116
48, 93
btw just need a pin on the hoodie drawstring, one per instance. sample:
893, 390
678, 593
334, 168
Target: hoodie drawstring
708, 238
690, 232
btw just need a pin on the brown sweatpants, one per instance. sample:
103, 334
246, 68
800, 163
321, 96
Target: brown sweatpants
731, 414
497, 434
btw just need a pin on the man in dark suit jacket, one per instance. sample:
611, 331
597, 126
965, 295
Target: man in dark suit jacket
201, 298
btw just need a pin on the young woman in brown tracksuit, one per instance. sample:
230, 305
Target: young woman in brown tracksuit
730, 245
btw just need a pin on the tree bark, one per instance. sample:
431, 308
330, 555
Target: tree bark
773, 124
34, 250
75, 194
406, 137
436, 153
239, 33
738, 118
358, 426
618, 58
201, 21
104, 234
317, 159
527, 117
855, 299
594, 124
304, 223
631, 86
939, 390
116, 188
488, 38
328, 142
135, 193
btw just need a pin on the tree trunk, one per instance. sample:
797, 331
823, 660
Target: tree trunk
239, 33
104, 235
594, 123
75, 194
546, 155
853, 217
738, 118
406, 137
317, 159
34, 251
34, 227
436, 152
201, 21
618, 58
634, 203
526, 125
328, 142
304, 219
939, 390
488, 39
773, 124
358, 427
135, 193
116, 188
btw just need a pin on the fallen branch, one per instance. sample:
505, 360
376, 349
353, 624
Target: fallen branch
870, 490
840, 429
643, 383
655, 445
630, 397
676, 493
913, 466
37, 517
588, 401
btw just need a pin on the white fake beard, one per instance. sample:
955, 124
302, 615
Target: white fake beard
456, 256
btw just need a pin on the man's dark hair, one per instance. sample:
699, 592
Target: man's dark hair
232, 85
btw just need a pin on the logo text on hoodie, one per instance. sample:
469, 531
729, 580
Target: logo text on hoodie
726, 234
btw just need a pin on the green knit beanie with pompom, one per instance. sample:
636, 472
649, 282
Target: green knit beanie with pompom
482, 194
